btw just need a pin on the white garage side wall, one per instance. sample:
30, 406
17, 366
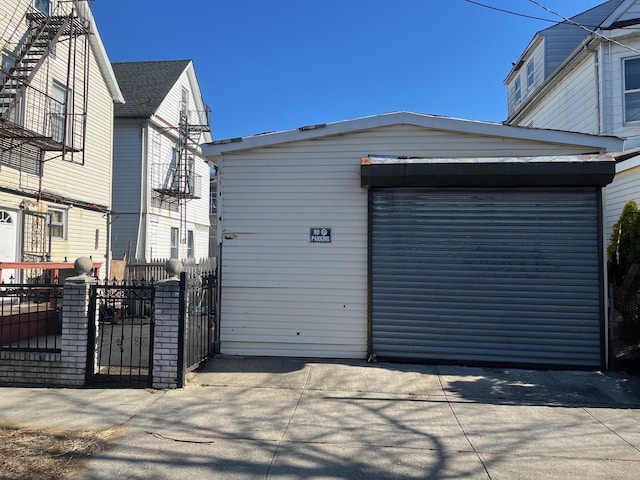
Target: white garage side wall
572, 109
281, 294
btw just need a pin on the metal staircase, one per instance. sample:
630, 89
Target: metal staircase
182, 183
29, 115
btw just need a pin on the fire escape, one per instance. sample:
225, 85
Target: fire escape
38, 114
43, 102
182, 184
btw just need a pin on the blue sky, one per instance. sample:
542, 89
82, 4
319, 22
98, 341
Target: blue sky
268, 65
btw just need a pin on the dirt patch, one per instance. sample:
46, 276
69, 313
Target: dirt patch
27, 453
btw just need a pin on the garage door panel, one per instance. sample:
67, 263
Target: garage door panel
511, 275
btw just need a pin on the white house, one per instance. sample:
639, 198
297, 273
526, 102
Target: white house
161, 179
414, 237
583, 75
57, 94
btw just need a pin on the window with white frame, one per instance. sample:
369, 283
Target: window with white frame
61, 110
175, 241
531, 78
190, 244
184, 101
58, 223
43, 6
517, 91
632, 90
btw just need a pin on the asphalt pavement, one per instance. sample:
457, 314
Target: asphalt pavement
265, 418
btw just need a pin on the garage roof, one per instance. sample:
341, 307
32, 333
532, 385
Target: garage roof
598, 143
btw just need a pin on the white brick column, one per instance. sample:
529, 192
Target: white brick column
75, 327
166, 351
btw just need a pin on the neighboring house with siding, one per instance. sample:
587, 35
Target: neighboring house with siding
161, 179
57, 91
414, 237
583, 75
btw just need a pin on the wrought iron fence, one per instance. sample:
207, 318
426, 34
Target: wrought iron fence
123, 348
198, 325
31, 317
625, 329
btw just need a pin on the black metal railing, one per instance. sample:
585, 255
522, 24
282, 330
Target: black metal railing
198, 323
123, 349
31, 317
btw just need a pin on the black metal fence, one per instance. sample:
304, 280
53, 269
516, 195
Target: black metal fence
31, 317
198, 327
123, 351
625, 329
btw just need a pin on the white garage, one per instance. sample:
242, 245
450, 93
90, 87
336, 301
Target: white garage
414, 237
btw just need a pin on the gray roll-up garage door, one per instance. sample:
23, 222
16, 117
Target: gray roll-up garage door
486, 276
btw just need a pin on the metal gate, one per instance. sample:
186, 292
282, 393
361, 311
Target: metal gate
198, 326
121, 345
487, 276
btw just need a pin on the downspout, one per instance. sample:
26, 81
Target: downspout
142, 221
598, 82
108, 254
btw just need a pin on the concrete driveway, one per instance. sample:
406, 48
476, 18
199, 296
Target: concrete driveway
249, 418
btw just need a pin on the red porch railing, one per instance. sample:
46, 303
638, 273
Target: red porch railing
53, 267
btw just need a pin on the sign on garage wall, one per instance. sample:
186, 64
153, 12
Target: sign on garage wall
320, 235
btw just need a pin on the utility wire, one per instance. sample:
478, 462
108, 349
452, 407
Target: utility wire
510, 12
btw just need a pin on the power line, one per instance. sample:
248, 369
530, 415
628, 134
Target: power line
510, 12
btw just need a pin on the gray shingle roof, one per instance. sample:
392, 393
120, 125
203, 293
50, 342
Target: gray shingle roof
563, 38
145, 85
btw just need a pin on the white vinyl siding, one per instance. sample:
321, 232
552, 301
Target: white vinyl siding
571, 106
284, 296
72, 177
81, 237
625, 187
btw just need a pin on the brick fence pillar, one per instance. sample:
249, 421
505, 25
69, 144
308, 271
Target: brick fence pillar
75, 325
166, 351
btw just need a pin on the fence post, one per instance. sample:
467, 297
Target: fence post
75, 327
166, 348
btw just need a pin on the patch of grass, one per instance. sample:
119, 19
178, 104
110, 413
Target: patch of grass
28, 453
